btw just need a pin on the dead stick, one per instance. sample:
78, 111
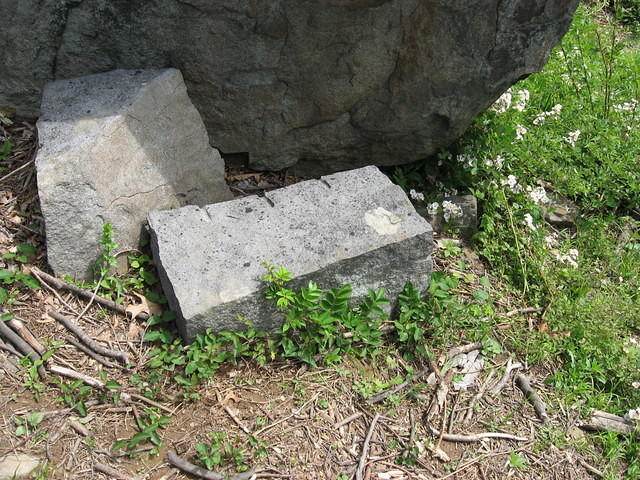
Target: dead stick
174, 459
523, 383
464, 349
7, 347
94, 382
349, 419
365, 448
476, 398
22, 346
110, 304
523, 310
497, 388
393, 390
112, 472
477, 437
22, 330
590, 468
606, 422
232, 415
91, 353
78, 427
88, 341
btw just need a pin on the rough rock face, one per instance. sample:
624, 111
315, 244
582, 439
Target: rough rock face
351, 227
114, 146
330, 83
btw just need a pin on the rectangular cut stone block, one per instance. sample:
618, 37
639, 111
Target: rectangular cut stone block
353, 227
114, 146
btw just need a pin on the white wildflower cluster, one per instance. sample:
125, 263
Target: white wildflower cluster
541, 117
633, 415
517, 101
569, 258
466, 161
520, 100
451, 210
503, 103
528, 221
572, 138
626, 106
416, 195
520, 132
512, 182
538, 195
432, 208
636, 385
551, 240
497, 162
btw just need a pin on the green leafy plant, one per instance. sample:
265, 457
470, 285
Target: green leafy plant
220, 452
12, 281
28, 424
149, 425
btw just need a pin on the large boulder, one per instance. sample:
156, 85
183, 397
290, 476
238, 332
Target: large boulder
351, 227
332, 84
114, 146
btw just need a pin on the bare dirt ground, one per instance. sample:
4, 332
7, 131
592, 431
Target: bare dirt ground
286, 420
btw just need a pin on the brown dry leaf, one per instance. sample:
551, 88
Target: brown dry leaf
134, 332
16, 219
544, 326
145, 306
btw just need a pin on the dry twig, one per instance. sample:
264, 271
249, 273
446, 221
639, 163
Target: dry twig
22, 330
12, 337
174, 459
606, 422
349, 419
110, 304
476, 437
112, 472
365, 448
497, 388
523, 383
523, 310
88, 341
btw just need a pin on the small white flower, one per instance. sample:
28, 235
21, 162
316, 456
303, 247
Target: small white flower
543, 115
626, 106
633, 414
539, 196
636, 385
522, 97
416, 195
570, 258
520, 132
551, 241
499, 162
555, 110
528, 221
467, 161
432, 208
451, 210
503, 103
572, 138
512, 182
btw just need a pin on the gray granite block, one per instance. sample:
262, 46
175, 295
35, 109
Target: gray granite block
114, 146
352, 227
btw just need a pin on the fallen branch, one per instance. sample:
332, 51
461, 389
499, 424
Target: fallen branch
7, 347
477, 437
606, 422
233, 416
497, 388
24, 332
365, 448
105, 302
79, 428
95, 383
522, 381
13, 338
112, 472
379, 397
591, 469
349, 419
455, 351
88, 341
174, 459
523, 310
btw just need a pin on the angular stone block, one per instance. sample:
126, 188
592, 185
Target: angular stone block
113, 147
353, 227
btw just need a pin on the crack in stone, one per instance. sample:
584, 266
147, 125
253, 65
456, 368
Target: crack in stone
133, 195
